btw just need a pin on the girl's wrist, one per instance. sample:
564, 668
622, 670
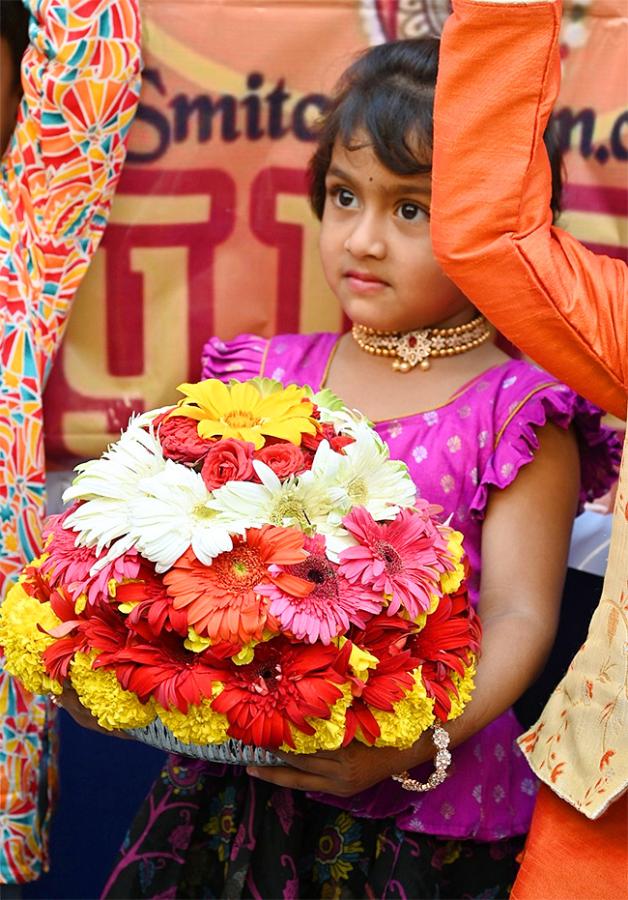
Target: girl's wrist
434, 746
421, 752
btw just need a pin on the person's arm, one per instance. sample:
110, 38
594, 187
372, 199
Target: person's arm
525, 539
499, 74
81, 80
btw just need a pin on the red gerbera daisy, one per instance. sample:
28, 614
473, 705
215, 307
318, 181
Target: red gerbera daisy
388, 639
36, 584
155, 611
100, 628
174, 677
443, 647
284, 684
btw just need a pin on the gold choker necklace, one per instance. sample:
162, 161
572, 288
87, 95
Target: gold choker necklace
412, 348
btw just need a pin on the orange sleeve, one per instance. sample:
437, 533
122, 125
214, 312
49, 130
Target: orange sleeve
491, 222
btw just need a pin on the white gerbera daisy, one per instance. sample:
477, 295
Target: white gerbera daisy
175, 512
295, 502
119, 470
363, 475
345, 420
146, 419
107, 485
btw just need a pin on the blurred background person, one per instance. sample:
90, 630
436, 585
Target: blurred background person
64, 125
565, 306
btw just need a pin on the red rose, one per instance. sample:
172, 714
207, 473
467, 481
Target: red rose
179, 439
284, 459
308, 459
228, 460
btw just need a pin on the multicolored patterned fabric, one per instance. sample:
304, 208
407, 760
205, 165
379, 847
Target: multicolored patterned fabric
223, 834
81, 79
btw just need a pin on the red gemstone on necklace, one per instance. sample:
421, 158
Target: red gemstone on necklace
412, 342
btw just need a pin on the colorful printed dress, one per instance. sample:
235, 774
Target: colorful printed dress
210, 831
81, 85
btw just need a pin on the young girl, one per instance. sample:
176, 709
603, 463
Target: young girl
467, 420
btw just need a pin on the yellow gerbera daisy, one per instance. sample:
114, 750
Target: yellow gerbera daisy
240, 410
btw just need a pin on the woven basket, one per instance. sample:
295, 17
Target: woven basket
233, 752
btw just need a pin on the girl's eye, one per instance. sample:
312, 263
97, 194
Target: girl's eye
411, 212
344, 198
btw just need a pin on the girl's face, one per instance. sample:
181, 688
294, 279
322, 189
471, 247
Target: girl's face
376, 248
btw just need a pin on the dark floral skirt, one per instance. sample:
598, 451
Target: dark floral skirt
212, 831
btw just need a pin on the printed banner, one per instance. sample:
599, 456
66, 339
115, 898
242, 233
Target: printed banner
211, 232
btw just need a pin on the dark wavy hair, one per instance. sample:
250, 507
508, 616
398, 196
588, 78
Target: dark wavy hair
387, 94
14, 20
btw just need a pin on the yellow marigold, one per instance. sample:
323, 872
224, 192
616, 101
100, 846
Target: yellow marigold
200, 725
100, 692
247, 654
127, 608
329, 733
194, 641
465, 685
361, 661
241, 410
451, 581
411, 716
24, 643
36, 563
421, 619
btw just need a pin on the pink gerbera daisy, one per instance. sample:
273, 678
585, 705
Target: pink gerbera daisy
402, 559
69, 566
314, 601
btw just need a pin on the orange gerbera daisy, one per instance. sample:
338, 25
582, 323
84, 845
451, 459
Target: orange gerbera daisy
221, 600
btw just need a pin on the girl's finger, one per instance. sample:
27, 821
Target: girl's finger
312, 763
285, 776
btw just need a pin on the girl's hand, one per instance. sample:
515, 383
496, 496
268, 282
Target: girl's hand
344, 772
70, 702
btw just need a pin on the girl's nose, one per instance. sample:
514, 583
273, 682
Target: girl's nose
366, 239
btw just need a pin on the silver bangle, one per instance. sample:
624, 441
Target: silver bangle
441, 765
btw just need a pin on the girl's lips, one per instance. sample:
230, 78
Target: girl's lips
363, 283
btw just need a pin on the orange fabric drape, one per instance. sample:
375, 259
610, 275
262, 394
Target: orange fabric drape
568, 856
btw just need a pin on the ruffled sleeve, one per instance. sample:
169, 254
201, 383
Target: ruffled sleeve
241, 358
516, 442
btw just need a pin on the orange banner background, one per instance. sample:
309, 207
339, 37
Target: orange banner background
211, 231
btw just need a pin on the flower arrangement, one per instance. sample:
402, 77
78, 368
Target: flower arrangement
249, 564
